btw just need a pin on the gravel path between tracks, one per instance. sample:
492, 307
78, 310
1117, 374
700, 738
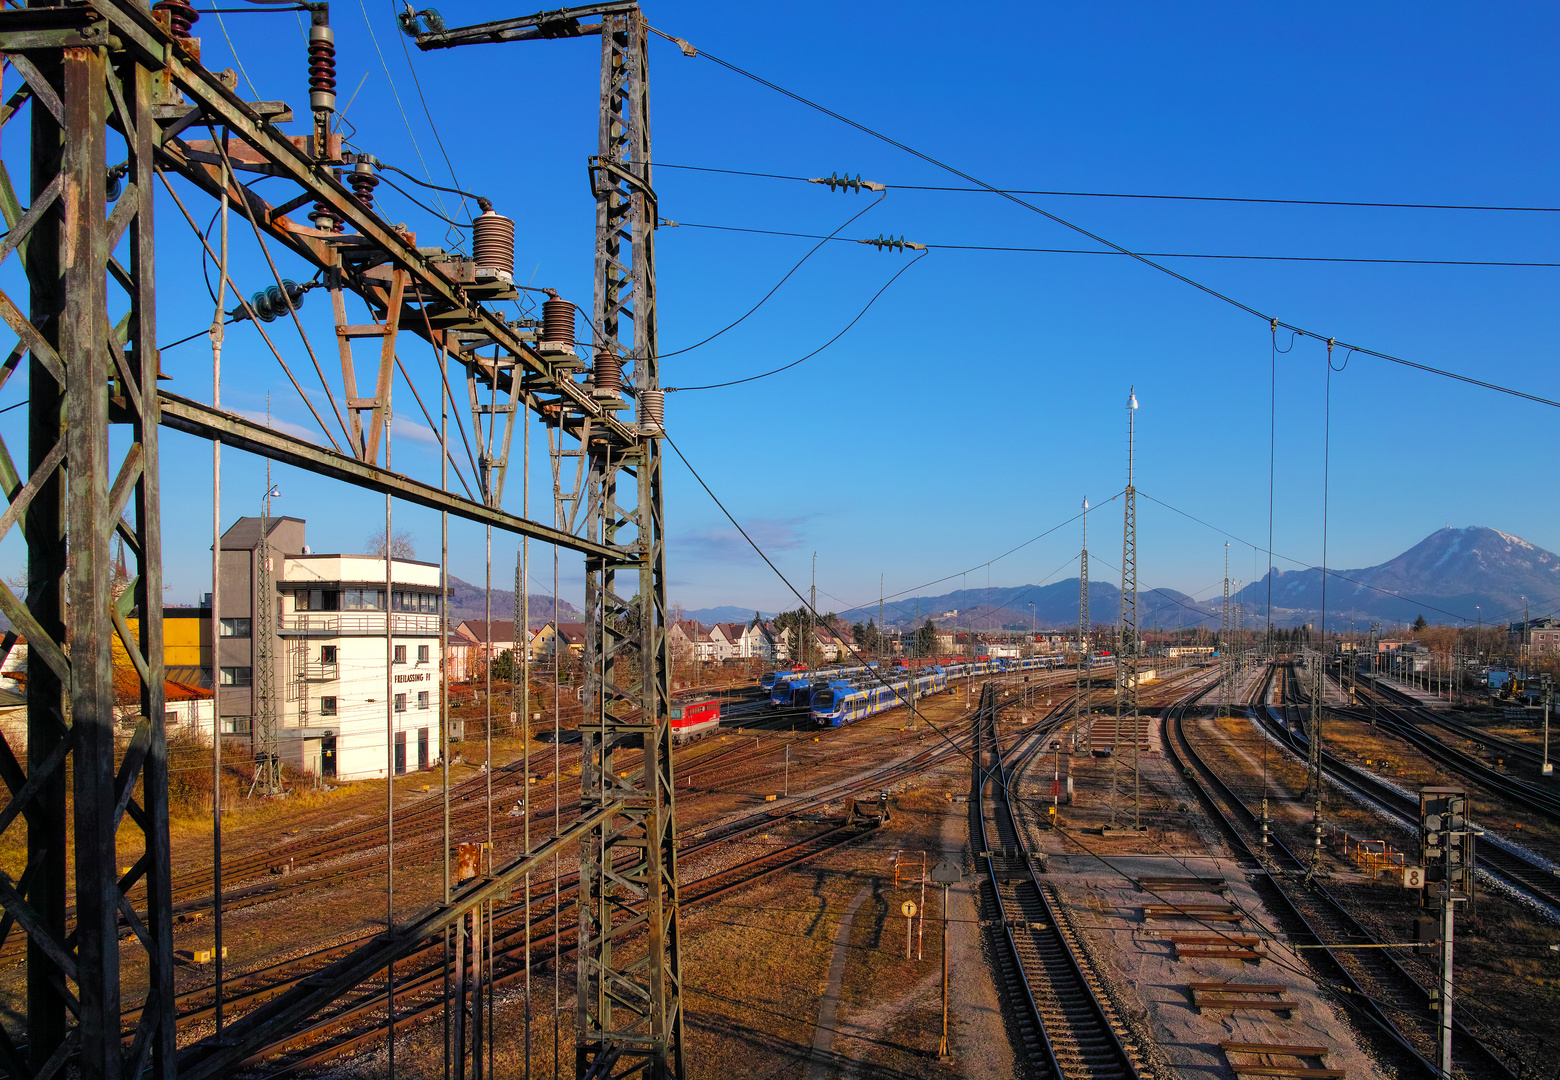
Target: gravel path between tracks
828, 1010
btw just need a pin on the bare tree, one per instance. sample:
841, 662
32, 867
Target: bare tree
402, 545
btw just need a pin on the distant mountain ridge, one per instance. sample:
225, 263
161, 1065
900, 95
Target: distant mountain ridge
466, 602
1453, 575
1055, 607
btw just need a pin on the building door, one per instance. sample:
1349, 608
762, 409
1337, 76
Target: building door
400, 753
422, 748
327, 757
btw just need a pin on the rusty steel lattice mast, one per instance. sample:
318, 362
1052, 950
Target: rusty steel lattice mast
112, 74
628, 1015
87, 371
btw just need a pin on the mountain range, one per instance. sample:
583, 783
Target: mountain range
466, 603
1451, 576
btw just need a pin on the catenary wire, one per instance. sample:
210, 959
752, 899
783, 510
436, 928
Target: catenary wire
1144, 259
936, 729
1150, 254
764, 299
1130, 195
819, 349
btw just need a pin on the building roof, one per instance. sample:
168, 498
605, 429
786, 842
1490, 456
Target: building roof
573, 633
503, 630
244, 533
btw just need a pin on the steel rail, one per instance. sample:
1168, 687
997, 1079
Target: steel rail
1210, 789
1055, 982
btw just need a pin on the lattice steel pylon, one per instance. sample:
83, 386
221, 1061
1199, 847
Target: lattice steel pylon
1083, 626
268, 765
1226, 681
90, 339
629, 1009
1131, 642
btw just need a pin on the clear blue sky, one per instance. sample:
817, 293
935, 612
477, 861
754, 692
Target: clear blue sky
981, 398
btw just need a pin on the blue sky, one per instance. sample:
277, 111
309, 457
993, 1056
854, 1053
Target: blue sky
982, 397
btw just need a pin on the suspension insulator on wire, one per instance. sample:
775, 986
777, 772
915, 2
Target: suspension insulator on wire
181, 16
270, 303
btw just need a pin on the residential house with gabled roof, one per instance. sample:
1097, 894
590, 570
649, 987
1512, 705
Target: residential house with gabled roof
475, 643
553, 638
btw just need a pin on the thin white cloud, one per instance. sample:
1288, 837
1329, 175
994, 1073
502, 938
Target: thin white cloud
727, 545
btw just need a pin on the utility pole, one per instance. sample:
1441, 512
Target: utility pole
1549, 696
1226, 689
1127, 639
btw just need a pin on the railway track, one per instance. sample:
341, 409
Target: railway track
1372, 982
525, 936
1504, 862
1059, 1014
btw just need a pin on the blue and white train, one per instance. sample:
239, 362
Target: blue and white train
840, 703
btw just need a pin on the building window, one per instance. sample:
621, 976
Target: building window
362, 599
422, 699
419, 602
319, 600
238, 628
400, 703
400, 654
327, 654
236, 676
235, 725
327, 706
422, 654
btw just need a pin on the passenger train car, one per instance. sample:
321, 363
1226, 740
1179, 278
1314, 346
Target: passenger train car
840, 704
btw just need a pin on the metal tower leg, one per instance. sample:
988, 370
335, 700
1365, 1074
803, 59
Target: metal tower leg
630, 1002
85, 372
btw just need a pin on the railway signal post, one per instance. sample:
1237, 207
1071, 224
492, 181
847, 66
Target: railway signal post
945, 873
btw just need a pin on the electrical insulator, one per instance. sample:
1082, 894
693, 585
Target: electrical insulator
493, 242
608, 374
181, 16
363, 181
652, 412
558, 323
325, 220
835, 182
322, 65
270, 303
892, 244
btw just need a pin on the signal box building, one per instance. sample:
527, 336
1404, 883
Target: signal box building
349, 702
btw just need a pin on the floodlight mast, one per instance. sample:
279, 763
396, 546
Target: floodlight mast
627, 1009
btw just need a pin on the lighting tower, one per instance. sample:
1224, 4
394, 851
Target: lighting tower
268, 769
1226, 687
1083, 610
1128, 644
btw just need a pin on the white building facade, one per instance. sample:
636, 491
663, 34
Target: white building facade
353, 702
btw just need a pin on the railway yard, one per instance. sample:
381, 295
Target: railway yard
1140, 930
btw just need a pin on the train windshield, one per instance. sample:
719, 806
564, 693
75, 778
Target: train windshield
825, 700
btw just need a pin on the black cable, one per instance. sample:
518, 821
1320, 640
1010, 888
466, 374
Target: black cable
1153, 254
762, 300
1145, 260
1126, 195
417, 83
820, 348
420, 204
424, 183
18, 405
225, 322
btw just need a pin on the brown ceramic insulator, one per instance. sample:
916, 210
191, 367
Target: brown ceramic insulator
493, 243
609, 372
363, 185
181, 16
558, 322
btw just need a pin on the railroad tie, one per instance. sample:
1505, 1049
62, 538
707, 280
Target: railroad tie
1269, 1051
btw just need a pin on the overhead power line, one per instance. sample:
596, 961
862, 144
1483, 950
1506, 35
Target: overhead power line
1274, 321
1130, 195
1118, 254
